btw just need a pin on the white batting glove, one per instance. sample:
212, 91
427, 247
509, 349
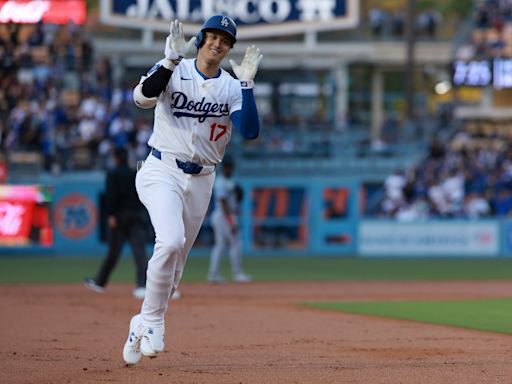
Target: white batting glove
246, 71
175, 45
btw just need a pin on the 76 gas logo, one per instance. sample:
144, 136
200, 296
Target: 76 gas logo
76, 216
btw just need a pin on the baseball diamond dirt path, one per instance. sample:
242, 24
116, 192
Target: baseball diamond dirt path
254, 333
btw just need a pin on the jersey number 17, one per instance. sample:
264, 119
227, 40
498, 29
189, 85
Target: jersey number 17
217, 131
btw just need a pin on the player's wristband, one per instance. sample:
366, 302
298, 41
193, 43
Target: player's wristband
247, 84
170, 64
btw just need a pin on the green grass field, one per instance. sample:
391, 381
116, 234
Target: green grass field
487, 315
44, 269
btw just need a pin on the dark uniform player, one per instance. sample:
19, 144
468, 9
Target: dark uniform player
126, 222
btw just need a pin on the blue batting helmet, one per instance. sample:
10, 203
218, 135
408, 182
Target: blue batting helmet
220, 23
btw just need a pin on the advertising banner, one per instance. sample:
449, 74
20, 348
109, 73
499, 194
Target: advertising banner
433, 238
25, 216
279, 217
76, 215
45, 11
254, 18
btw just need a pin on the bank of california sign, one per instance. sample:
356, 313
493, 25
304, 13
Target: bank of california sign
255, 18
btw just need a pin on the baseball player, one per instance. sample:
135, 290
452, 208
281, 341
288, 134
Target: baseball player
197, 105
224, 219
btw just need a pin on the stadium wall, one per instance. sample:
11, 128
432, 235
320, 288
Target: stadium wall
280, 216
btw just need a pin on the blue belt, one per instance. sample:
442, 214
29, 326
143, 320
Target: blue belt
186, 166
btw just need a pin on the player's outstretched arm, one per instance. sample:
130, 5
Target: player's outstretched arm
247, 120
176, 47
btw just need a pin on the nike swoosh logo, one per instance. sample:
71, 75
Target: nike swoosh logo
185, 78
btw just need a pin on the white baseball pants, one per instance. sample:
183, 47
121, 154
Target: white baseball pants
177, 204
224, 237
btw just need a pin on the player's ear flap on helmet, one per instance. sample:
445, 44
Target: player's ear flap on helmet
220, 23
199, 39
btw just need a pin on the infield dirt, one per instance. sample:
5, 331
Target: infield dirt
253, 333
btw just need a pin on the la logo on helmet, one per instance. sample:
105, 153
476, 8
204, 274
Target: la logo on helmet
224, 22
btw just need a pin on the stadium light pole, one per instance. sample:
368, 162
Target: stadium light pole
409, 66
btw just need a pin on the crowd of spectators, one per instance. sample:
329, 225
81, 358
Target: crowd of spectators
57, 98
492, 32
393, 23
60, 100
469, 176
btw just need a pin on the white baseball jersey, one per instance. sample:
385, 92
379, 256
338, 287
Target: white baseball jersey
192, 120
224, 188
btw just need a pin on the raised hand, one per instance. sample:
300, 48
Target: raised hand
247, 70
175, 45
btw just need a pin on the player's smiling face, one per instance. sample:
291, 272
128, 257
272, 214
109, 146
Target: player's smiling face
216, 46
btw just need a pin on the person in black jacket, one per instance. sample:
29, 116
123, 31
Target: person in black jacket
126, 219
